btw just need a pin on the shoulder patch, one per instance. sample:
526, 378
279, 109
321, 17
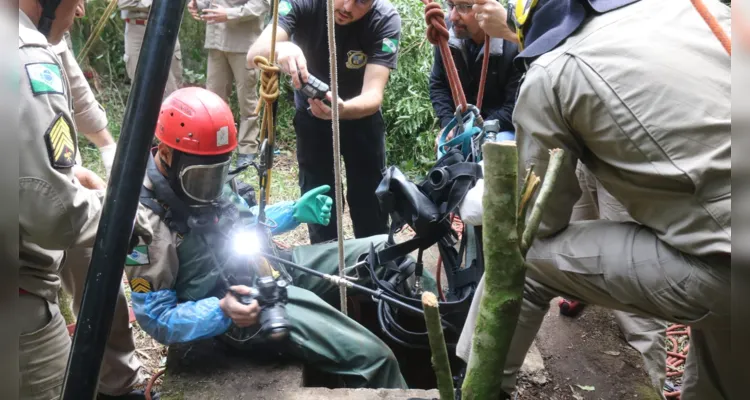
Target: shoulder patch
139, 256
356, 59
140, 285
284, 7
61, 145
45, 78
389, 45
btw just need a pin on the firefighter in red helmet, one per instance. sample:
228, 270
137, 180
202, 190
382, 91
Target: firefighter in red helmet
188, 283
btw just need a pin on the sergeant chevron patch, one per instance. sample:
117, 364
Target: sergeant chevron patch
140, 285
61, 145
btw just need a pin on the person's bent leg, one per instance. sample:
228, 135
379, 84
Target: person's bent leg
647, 335
328, 340
120, 364
247, 96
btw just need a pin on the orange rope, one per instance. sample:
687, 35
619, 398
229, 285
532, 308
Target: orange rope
714, 25
483, 77
675, 357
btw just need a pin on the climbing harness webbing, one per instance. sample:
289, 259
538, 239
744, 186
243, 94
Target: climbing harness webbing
336, 146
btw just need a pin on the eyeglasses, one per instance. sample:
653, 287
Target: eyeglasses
462, 8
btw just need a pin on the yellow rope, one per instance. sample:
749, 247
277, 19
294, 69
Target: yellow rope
269, 93
97, 30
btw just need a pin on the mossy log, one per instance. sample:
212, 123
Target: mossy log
503, 276
440, 361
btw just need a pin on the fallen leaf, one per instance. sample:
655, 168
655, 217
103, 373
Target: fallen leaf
612, 353
577, 396
586, 388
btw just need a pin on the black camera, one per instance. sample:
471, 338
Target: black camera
272, 298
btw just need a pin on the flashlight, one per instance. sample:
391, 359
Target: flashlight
246, 242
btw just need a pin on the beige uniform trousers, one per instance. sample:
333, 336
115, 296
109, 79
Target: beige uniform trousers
223, 67
134, 40
44, 343
120, 365
43, 347
624, 266
645, 334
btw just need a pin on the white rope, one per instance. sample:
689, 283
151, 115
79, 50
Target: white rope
336, 147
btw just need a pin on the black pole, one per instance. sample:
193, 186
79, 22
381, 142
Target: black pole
120, 206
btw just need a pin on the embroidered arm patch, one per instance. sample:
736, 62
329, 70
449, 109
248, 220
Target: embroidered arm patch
140, 285
61, 145
45, 78
139, 256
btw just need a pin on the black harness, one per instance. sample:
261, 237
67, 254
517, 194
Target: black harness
427, 208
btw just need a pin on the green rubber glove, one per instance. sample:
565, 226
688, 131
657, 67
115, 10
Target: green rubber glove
314, 207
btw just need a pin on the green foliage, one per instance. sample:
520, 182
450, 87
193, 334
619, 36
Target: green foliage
411, 125
410, 122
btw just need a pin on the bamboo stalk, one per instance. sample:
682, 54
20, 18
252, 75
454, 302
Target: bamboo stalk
503, 276
440, 361
550, 177
64, 301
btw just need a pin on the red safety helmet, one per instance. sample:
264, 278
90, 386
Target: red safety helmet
197, 121
198, 125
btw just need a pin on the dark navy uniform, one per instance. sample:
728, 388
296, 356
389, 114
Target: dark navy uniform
372, 39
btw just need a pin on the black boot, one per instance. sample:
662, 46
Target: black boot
134, 395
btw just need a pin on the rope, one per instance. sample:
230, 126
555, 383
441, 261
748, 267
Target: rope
675, 356
150, 385
269, 92
483, 77
437, 34
98, 28
714, 25
336, 147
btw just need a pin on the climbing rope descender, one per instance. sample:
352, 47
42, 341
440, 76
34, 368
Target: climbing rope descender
468, 137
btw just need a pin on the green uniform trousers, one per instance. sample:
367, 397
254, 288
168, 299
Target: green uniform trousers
324, 337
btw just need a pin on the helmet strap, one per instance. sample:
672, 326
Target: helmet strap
48, 16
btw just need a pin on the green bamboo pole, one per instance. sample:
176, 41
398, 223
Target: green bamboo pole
440, 362
503, 276
65, 302
550, 177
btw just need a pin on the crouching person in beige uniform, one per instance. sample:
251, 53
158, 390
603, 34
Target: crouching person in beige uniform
59, 201
232, 26
648, 112
135, 15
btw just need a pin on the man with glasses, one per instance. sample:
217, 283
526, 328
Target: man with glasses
367, 41
466, 43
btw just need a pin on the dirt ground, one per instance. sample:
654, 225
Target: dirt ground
586, 358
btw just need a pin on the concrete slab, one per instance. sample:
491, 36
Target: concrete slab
208, 370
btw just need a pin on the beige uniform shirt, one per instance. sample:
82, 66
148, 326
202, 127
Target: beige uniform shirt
55, 211
245, 24
641, 96
134, 8
88, 114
